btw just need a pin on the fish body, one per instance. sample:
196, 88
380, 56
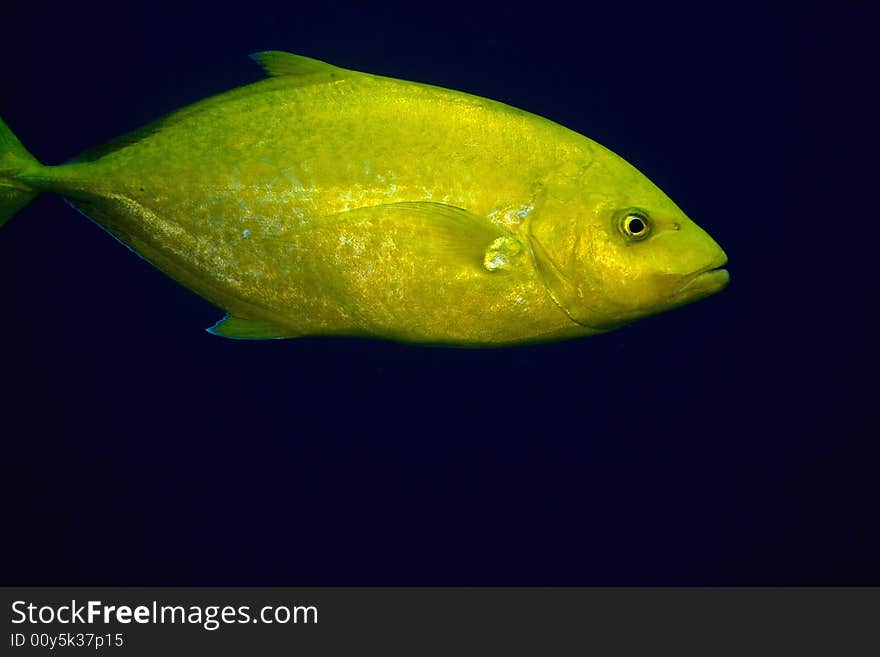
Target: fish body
322, 201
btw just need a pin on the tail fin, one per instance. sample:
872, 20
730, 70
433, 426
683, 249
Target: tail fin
14, 159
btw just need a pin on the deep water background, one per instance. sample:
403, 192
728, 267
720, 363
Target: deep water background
730, 442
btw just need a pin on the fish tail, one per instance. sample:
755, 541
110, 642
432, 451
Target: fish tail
14, 161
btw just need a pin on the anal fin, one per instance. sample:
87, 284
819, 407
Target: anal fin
239, 328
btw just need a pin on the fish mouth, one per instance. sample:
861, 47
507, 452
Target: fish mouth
703, 283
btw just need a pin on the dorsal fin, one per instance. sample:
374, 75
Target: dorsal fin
277, 62
304, 71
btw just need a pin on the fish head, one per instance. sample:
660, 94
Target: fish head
611, 247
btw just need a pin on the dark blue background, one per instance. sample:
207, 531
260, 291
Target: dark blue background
730, 442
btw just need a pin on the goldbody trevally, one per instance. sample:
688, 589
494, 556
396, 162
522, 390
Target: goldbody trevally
323, 201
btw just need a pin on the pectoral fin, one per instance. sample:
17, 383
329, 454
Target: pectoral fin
247, 329
431, 231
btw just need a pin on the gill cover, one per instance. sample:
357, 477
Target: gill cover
557, 232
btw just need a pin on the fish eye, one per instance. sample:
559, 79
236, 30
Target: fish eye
635, 225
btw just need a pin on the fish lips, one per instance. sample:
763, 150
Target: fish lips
703, 283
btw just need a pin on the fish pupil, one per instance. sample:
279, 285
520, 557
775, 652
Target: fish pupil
636, 225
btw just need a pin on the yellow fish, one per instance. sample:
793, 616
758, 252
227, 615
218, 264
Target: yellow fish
324, 201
